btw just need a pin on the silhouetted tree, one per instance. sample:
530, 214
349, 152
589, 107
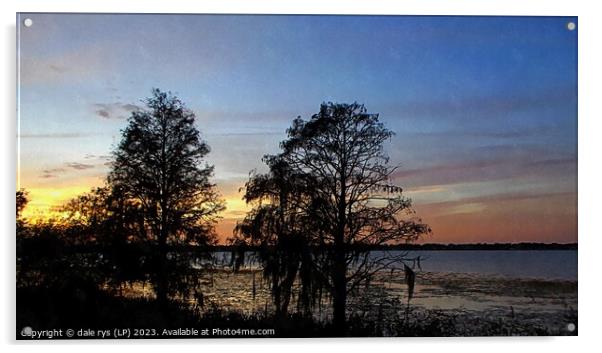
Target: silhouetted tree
278, 225
21, 225
107, 220
88, 215
351, 203
159, 165
46, 249
22, 200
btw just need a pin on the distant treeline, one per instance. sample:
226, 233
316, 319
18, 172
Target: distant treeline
435, 246
430, 246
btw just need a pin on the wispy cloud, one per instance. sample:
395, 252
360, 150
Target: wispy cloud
93, 162
79, 166
478, 205
503, 197
68, 67
52, 173
115, 110
490, 163
471, 108
512, 132
59, 135
101, 157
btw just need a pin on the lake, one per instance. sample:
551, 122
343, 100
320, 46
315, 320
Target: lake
541, 264
533, 264
530, 289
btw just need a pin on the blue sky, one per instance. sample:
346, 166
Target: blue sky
484, 108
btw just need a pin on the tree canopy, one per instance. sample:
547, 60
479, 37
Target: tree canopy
331, 186
159, 164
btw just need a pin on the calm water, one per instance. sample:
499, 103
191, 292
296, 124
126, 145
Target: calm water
543, 264
476, 283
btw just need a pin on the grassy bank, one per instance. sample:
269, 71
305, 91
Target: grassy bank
94, 309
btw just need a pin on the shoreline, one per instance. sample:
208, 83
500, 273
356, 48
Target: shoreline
523, 246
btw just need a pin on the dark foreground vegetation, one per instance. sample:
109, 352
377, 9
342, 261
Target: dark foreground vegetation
65, 287
63, 308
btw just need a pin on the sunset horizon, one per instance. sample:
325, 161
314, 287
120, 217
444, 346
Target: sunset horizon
486, 142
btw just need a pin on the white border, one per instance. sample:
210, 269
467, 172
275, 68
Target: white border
590, 244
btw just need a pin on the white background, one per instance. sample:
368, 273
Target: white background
590, 100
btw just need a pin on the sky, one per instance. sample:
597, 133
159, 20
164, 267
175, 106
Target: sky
484, 108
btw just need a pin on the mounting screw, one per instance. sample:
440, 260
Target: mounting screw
571, 26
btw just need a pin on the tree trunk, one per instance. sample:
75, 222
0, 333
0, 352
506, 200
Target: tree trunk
287, 285
162, 285
340, 267
162, 275
340, 292
276, 292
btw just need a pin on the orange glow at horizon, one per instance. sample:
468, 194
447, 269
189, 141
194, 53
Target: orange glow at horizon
494, 220
44, 204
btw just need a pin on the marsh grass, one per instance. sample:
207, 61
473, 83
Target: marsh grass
97, 309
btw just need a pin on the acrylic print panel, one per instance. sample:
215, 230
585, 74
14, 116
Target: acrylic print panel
218, 176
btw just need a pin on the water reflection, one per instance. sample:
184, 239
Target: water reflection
542, 302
